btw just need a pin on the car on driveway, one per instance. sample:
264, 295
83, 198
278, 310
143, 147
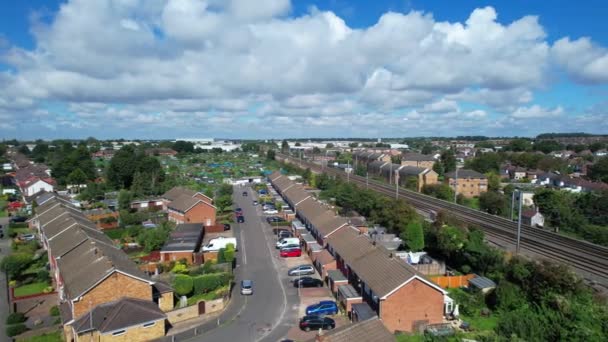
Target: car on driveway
226, 226
314, 322
267, 206
247, 287
301, 270
271, 211
283, 234
290, 252
274, 219
27, 237
16, 219
307, 282
324, 307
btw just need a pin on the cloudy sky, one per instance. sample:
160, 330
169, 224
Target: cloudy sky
281, 68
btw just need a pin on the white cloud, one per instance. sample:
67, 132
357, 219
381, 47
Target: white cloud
582, 59
160, 63
536, 111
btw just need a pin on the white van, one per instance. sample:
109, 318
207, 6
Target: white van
218, 243
287, 241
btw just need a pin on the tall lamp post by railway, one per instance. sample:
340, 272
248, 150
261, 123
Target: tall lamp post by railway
519, 195
396, 184
456, 184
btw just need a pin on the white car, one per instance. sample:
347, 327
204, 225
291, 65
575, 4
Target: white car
271, 211
247, 287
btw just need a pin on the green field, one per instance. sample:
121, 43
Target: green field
30, 289
48, 337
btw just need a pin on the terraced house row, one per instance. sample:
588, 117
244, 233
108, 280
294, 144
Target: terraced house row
402, 298
103, 295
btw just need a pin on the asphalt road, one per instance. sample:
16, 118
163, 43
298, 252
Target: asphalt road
4, 306
271, 311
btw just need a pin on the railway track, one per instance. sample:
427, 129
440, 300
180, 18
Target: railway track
589, 260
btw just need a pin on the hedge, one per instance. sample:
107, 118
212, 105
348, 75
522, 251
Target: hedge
15, 317
210, 282
15, 329
54, 311
182, 284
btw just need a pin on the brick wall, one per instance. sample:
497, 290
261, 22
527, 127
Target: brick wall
177, 256
416, 301
182, 314
201, 213
106, 291
165, 302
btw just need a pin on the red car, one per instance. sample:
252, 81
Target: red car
291, 252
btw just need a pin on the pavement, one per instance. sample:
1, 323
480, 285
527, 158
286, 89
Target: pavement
267, 315
5, 247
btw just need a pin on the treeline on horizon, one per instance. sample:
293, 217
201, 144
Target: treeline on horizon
439, 138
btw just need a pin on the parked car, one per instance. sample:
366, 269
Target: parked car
267, 206
282, 243
240, 219
245, 193
226, 226
283, 234
247, 287
307, 282
301, 270
238, 210
290, 252
291, 245
324, 307
16, 219
255, 202
27, 237
273, 219
314, 322
271, 211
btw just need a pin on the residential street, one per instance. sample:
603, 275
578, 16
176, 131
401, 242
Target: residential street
4, 306
268, 314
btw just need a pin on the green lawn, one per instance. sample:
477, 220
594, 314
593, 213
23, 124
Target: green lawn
48, 337
114, 233
30, 289
3, 208
410, 338
479, 323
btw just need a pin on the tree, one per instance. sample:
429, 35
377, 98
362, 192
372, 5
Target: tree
547, 146
438, 167
329, 145
353, 145
270, 155
396, 159
65, 159
485, 162
557, 207
596, 146
77, 177
441, 191
493, 181
284, 146
15, 264
307, 175
450, 240
519, 145
223, 202
427, 149
124, 199
183, 147
316, 150
413, 236
183, 284
153, 239
493, 203
448, 160
599, 170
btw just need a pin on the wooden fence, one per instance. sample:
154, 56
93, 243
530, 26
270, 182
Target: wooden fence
447, 282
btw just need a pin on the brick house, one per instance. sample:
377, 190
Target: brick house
184, 243
179, 191
418, 160
324, 262
87, 268
470, 183
187, 209
404, 174
147, 204
127, 319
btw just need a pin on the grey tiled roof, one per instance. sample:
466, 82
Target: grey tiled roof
417, 157
365, 331
349, 244
466, 173
183, 203
124, 313
296, 194
178, 191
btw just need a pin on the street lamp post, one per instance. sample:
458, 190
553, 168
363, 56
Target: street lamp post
456, 184
396, 184
367, 180
518, 223
512, 204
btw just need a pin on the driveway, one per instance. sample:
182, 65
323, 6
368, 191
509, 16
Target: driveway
271, 311
5, 247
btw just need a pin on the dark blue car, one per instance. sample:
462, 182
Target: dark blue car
325, 307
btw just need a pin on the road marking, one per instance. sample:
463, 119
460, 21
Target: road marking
244, 257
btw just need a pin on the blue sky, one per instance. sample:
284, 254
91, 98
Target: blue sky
235, 68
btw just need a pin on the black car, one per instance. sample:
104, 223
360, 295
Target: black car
245, 193
285, 234
307, 282
313, 322
273, 219
16, 219
240, 219
226, 226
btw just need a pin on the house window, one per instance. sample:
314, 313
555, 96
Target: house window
147, 325
119, 332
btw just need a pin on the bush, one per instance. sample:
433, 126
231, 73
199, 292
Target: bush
16, 329
183, 284
15, 317
16, 263
210, 282
229, 253
42, 275
54, 311
180, 268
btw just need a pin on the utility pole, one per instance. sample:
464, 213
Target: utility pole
347, 173
518, 224
456, 184
367, 180
396, 184
390, 175
512, 204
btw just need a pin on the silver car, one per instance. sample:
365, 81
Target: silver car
301, 270
247, 287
